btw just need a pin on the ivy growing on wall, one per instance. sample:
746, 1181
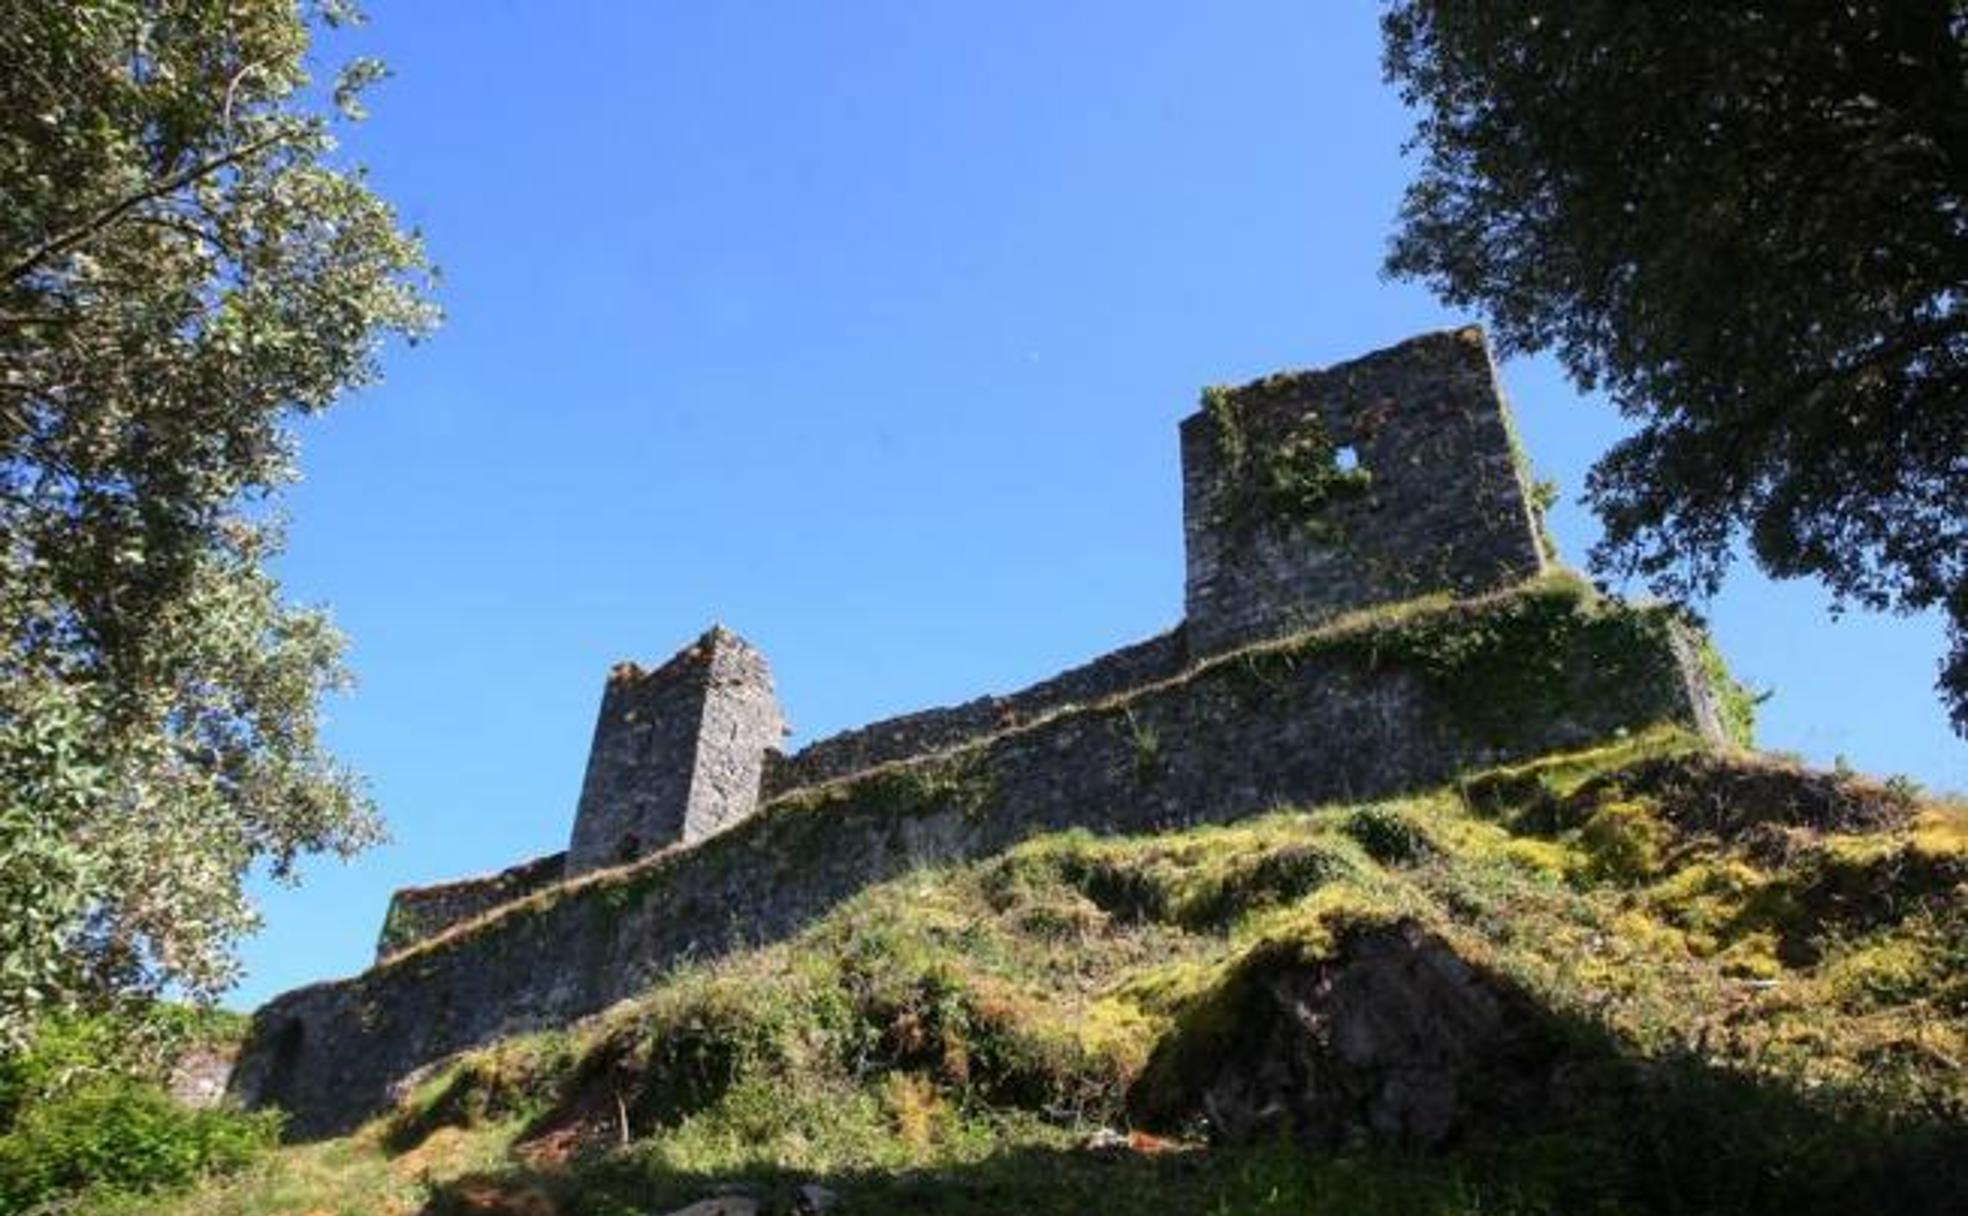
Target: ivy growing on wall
1225, 416
1293, 480
1303, 474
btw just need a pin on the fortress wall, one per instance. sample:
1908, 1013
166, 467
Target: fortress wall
1441, 507
652, 771
1307, 495
416, 913
934, 730
1379, 707
1280, 534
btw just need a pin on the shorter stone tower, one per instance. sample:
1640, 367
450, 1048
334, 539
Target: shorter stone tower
677, 752
1306, 495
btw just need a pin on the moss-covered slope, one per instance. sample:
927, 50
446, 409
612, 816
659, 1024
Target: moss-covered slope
1646, 977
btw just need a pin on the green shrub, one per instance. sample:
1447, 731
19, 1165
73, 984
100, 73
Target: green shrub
66, 1051
1388, 836
120, 1135
1624, 841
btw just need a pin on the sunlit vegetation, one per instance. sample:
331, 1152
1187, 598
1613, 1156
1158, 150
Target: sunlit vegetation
1763, 969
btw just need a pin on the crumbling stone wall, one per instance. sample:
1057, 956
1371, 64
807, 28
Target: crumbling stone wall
1371, 710
1307, 495
934, 730
678, 752
416, 913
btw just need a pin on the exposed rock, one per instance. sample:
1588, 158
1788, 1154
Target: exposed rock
723, 1205
198, 1077
1392, 1038
814, 1199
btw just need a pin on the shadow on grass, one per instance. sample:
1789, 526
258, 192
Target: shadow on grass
1684, 1139
1552, 1114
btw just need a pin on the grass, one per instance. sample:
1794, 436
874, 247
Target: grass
1764, 972
355, 1176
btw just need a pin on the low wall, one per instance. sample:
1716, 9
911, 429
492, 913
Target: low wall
418, 913
1398, 702
935, 730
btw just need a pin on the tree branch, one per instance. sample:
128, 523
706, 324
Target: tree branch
78, 235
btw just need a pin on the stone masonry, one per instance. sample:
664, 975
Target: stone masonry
416, 913
1307, 496
677, 752
1279, 536
1295, 723
1310, 494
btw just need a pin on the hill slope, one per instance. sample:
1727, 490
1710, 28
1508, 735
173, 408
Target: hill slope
1642, 978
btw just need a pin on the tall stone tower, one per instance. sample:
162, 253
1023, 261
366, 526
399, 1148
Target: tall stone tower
677, 752
1306, 495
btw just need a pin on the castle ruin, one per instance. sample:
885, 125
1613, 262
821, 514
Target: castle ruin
1308, 498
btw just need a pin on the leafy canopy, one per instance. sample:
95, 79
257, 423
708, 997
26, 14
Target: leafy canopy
185, 268
1747, 222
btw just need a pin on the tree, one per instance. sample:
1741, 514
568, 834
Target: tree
184, 270
1747, 222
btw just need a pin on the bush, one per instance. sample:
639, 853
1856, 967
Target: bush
121, 1135
84, 1107
1388, 836
66, 1051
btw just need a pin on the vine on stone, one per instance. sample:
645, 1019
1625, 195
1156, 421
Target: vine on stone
1293, 482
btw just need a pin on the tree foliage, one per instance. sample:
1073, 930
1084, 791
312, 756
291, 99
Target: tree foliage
185, 268
1747, 222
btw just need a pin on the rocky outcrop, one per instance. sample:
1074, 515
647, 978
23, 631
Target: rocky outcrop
1392, 1038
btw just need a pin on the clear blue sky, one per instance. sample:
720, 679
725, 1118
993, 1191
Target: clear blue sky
864, 329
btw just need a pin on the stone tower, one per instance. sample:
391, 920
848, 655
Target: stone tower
677, 752
1306, 495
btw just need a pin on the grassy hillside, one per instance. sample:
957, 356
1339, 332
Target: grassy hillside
1686, 982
